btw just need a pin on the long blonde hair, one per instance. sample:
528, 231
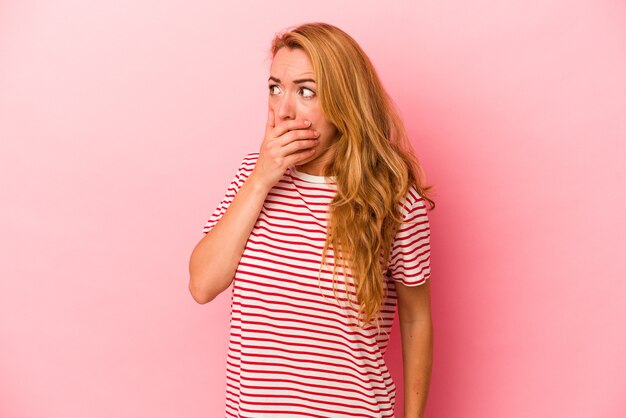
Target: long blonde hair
374, 163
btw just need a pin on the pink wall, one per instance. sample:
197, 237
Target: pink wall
121, 124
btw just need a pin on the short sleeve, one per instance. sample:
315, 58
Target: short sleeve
409, 261
244, 170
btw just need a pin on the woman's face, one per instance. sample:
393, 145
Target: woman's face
293, 95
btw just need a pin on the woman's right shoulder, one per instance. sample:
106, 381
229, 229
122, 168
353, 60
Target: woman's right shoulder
248, 161
250, 158
244, 170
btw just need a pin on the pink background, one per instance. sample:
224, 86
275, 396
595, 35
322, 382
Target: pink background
122, 123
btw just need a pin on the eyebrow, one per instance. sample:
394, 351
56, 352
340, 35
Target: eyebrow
301, 80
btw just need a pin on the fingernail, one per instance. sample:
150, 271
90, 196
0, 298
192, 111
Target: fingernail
307, 122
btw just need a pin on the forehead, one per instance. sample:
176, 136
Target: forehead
291, 63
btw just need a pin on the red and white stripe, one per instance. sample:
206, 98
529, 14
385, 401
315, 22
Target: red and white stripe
294, 351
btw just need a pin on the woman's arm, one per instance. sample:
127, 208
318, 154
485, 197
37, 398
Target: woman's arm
215, 258
417, 345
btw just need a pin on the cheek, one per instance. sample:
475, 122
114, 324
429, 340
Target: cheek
322, 124
318, 120
329, 127
329, 130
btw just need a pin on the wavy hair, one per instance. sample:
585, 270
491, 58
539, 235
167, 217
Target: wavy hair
374, 163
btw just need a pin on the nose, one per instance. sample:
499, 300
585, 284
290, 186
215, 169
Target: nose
286, 108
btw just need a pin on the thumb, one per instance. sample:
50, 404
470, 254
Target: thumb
270, 119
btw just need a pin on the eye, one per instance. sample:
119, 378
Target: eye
309, 96
272, 86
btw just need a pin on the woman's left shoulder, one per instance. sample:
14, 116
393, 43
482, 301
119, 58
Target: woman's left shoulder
413, 201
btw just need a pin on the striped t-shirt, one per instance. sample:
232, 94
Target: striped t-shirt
294, 351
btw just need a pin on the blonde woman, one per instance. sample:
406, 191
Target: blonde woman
322, 232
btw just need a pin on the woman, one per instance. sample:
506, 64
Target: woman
335, 190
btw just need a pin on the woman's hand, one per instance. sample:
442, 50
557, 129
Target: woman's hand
284, 144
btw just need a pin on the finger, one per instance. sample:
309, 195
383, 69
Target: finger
270, 119
298, 134
290, 125
299, 156
303, 145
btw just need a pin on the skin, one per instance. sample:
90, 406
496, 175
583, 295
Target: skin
289, 140
297, 131
417, 345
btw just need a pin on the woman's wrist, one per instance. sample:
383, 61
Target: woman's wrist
256, 183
